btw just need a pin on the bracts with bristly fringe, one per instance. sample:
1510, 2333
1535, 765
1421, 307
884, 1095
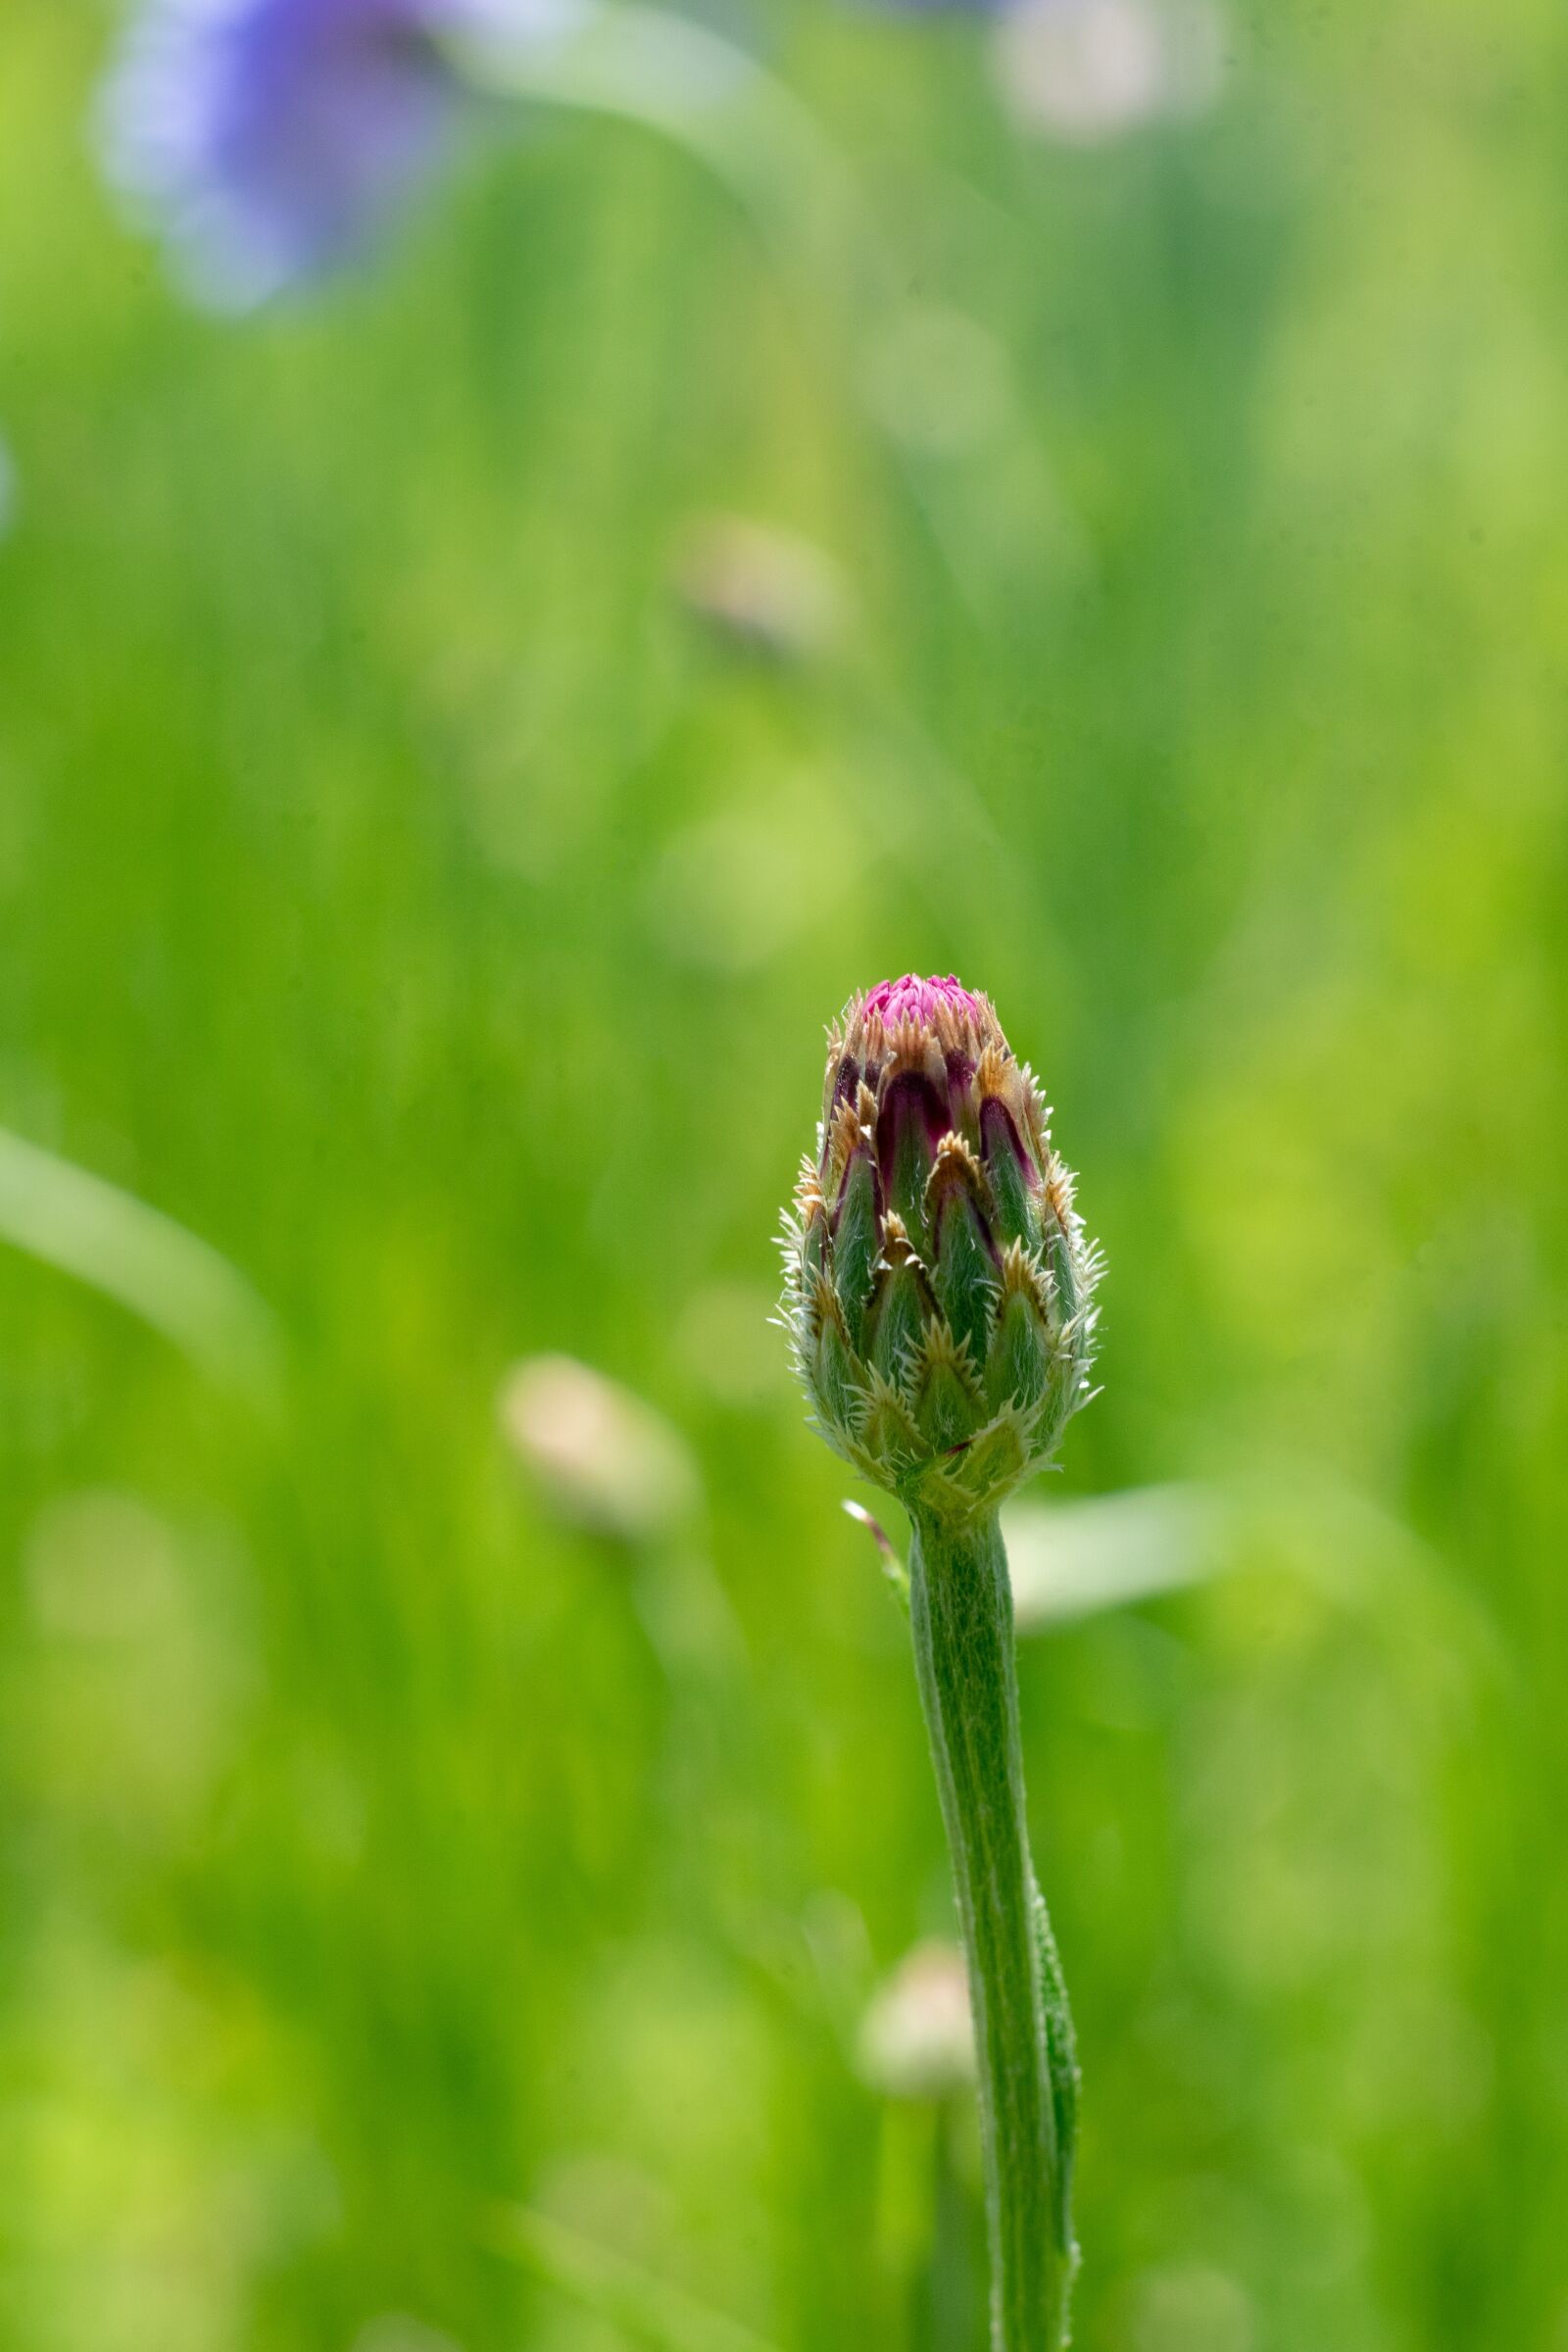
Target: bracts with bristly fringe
937, 1285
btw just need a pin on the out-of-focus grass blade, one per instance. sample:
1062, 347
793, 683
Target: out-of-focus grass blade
689, 84
1081, 1556
647, 2309
89, 1228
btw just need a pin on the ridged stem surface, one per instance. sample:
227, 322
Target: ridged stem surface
961, 1605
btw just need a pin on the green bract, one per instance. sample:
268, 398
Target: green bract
937, 1283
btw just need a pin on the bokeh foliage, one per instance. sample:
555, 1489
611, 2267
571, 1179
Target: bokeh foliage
401, 891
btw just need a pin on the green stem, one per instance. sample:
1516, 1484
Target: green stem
962, 1617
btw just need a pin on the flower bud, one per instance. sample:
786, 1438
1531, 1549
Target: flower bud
603, 1459
917, 2035
763, 591
937, 1280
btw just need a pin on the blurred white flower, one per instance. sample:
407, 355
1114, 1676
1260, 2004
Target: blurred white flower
1085, 70
603, 1459
917, 2035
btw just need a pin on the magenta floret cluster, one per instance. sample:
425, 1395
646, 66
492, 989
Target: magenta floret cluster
913, 999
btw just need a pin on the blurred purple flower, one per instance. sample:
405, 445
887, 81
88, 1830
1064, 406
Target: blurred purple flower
271, 137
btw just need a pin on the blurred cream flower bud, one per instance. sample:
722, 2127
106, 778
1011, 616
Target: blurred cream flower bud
1086, 71
762, 588
917, 2036
603, 1458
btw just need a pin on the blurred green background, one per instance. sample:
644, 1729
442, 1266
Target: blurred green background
409, 894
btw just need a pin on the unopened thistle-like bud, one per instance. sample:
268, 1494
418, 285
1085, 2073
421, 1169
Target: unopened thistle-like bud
937, 1285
